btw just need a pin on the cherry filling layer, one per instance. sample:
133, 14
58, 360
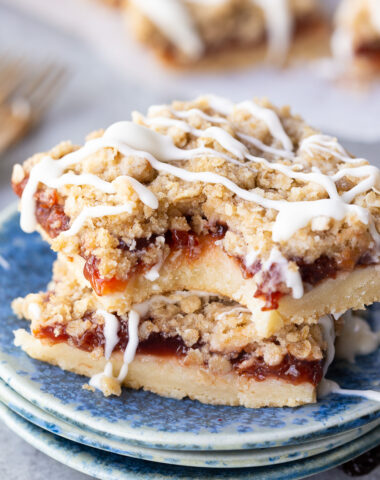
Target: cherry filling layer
49, 210
189, 243
290, 369
370, 51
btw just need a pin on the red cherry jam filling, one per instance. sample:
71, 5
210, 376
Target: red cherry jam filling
101, 285
188, 242
290, 369
49, 210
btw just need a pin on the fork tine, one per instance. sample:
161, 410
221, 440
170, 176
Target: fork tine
25, 94
34, 81
11, 74
54, 74
54, 77
43, 97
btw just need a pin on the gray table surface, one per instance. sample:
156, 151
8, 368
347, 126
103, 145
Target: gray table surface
79, 109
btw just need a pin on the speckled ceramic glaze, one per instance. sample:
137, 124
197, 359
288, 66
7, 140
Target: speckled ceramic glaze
146, 419
208, 459
108, 466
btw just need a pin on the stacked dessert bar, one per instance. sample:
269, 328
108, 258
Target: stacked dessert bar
203, 251
188, 32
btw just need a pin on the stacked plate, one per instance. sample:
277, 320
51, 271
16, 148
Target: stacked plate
141, 435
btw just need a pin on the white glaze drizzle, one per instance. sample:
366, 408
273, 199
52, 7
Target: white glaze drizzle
154, 272
187, 113
173, 152
133, 341
279, 27
238, 149
175, 22
268, 116
328, 329
110, 331
265, 148
34, 311
356, 338
323, 143
96, 380
50, 173
291, 277
342, 48
144, 307
132, 139
250, 258
372, 179
96, 212
111, 328
318, 207
228, 312
328, 386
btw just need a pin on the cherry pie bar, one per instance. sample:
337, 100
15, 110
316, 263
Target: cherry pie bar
190, 343
190, 32
356, 41
202, 248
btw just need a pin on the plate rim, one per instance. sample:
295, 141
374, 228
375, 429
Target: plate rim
47, 443
233, 459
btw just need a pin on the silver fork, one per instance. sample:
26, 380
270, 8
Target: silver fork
26, 92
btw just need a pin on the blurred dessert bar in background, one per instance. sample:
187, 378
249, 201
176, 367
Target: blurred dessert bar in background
356, 40
227, 32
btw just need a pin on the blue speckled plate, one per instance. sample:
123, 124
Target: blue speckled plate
147, 419
205, 459
108, 466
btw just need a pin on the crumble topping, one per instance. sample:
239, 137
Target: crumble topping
270, 154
